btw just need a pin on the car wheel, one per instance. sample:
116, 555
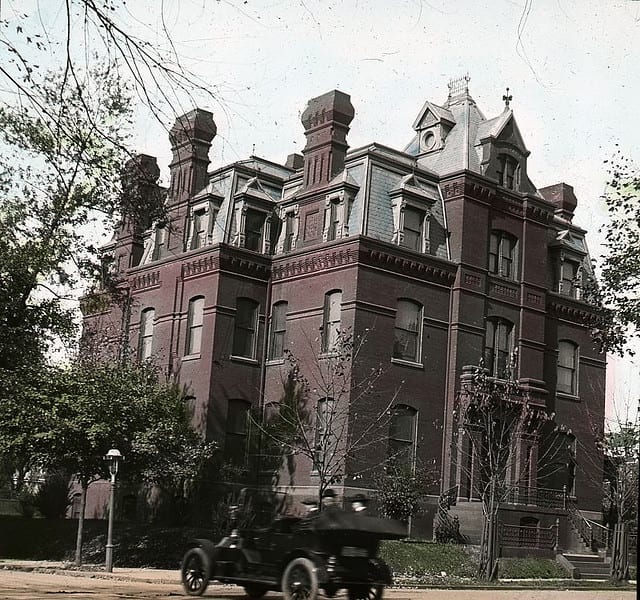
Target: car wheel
255, 590
196, 571
300, 580
366, 592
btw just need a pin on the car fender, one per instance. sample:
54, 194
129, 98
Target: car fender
317, 559
207, 545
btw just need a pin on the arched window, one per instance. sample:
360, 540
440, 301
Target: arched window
278, 330
408, 328
194, 325
498, 347
567, 367
331, 320
145, 345
237, 428
503, 256
402, 435
245, 328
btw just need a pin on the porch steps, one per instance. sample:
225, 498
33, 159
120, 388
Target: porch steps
589, 566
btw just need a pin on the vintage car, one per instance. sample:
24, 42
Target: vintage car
333, 550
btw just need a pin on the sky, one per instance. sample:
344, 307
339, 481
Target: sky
570, 66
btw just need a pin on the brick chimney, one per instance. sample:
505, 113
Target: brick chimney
561, 195
190, 137
326, 122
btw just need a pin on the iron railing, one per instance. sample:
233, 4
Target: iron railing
543, 497
520, 536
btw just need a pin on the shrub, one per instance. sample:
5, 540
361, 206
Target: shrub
52, 498
428, 558
530, 568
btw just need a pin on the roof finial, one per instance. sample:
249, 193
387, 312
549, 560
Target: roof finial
507, 98
459, 85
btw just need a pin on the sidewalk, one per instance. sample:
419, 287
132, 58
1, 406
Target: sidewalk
95, 571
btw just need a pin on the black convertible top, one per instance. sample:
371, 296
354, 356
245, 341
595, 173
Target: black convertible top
336, 520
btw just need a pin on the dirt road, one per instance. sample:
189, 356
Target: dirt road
44, 586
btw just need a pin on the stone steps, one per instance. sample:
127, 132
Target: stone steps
589, 566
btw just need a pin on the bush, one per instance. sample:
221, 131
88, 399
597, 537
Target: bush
530, 568
52, 497
428, 558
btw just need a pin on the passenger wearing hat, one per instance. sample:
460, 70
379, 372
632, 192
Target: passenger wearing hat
359, 503
329, 499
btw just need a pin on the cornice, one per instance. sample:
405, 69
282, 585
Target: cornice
320, 260
572, 310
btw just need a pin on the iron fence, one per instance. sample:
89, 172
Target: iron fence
520, 536
543, 497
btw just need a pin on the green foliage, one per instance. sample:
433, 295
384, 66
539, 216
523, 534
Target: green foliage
530, 568
400, 490
419, 559
620, 277
59, 172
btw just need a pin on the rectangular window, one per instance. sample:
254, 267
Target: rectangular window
278, 330
502, 254
200, 226
289, 230
402, 435
331, 321
498, 347
235, 447
413, 229
406, 344
334, 221
244, 334
160, 243
146, 333
567, 368
253, 230
194, 326
322, 441
569, 278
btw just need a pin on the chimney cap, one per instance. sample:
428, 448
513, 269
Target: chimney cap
332, 106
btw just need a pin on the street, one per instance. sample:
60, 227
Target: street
44, 586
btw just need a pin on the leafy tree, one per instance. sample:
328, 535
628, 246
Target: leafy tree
492, 413
85, 409
60, 173
330, 414
400, 489
621, 448
620, 276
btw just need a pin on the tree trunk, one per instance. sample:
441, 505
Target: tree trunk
620, 553
83, 503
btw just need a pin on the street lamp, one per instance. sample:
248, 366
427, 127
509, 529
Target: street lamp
113, 457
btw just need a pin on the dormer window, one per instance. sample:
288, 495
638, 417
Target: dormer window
415, 229
336, 217
254, 230
159, 243
508, 172
569, 278
202, 218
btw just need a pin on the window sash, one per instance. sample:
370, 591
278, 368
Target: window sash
195, 323
288, 232
146, 334
334, 221
567, 368
254, 230
498, 346
331, 325
159, 243
245, 329
324, 411
402, 436
502, 255
200, 227
278, 330
413, 230
407, 331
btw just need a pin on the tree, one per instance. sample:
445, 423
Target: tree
90, 31
330, 414
620, 275
60, 175
621, 447
87, 408
493, 414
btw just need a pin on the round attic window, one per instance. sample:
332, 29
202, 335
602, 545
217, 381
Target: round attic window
429, 140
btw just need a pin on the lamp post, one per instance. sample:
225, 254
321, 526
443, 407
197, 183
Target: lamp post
113, 457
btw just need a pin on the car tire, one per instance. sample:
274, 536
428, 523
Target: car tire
255, 590
366, 592
195, 571
300, 580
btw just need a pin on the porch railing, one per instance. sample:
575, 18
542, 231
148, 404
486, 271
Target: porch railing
543, 497
520, 536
